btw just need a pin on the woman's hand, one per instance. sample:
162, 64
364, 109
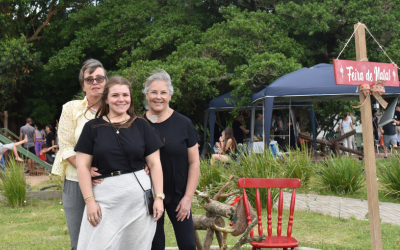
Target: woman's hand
158, 209
93, 173
183, 209
93, 212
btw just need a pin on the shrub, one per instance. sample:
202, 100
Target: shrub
298, 164
211, 177
262, 165
13, 183
389, 175
340, 175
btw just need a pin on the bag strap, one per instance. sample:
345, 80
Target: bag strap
129, 164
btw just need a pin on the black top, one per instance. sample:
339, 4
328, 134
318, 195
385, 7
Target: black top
137, 141
237, 131
389, 129
178, 134
375, 123
49, 138
397, 116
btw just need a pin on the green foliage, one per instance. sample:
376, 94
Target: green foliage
262, 165
389, 174
340, 175
211, 178
13, 184
16, 65
298, 164
328, 114
208, 47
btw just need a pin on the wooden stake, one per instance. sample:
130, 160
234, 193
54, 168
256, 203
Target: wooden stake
5, 120
369, 150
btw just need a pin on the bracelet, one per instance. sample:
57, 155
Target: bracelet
89, 197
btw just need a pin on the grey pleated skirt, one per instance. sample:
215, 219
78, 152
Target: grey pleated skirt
125, 223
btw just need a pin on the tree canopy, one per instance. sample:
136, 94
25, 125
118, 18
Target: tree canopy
209, 47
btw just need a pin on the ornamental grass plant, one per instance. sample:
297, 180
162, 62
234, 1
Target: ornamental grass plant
389, 174
13, 183
340, 175
211, 176
261, 165
298, 164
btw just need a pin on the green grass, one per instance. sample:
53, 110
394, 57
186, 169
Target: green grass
42, 225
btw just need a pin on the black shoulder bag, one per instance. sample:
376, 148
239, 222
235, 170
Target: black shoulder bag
148, 194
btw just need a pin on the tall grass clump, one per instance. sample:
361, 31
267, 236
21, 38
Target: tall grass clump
13, 183
257, 165
340, 175
389, 174
211, 176
298, 165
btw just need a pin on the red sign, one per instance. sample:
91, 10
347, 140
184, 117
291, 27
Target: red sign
357, 73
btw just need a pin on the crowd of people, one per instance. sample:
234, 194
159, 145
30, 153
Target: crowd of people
35, 140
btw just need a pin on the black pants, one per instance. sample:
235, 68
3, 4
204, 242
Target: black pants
184, 232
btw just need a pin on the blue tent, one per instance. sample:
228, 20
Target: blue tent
316, 83
220, 104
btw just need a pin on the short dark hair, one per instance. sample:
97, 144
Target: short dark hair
50, 127
28, 120
45, 146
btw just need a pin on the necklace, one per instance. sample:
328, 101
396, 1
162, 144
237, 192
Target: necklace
154, 118
114, 126
94, 111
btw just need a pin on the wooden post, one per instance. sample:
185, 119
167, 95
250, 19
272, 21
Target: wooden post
5, 119
369, 150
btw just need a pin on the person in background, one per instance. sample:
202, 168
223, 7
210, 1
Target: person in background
75, 114
350, 115
293, 135
375, 126
238, 129
30, 145
13, 147
389, 135
44, 150
179, 160
277, 129
397, 117
345, 126
50, 141
39, 139
259, 126
226, 145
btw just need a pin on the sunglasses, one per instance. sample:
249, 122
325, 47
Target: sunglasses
99, 79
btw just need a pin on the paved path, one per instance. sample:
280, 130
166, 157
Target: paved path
343, 207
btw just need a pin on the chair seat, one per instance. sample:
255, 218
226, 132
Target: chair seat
276, 242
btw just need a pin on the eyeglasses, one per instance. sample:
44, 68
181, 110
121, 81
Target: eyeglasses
99, 79
163, 94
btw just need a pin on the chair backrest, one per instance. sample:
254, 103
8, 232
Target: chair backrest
269, 183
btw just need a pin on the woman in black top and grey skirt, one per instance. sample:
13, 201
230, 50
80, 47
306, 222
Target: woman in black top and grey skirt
179, 159
119, 145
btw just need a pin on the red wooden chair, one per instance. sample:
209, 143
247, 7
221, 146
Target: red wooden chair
278, 241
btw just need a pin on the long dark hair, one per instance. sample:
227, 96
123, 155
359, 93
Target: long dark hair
229, 135
104, 109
